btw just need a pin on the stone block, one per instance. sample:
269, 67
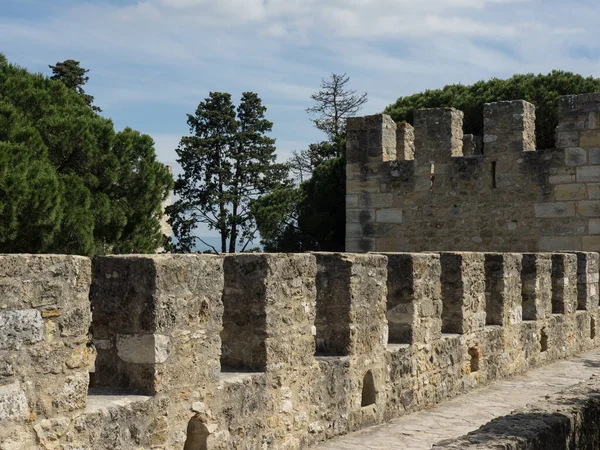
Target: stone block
20, 328
575, 156
414, 300
13, 403
588, 208
151, 312
351, 304
438, 135
569, 105
594, 226
554, 210
360, 245
590, 243
72, 395
354, 230
589, 139
564, 283
593, 191
509, 126
269, 302
389, 215
376, 200
567, 139
569, 192
143, 349
536, 278
594, 156
405, 142
361, 216
587, 281
463, 292
503, 289
352, 201
370, 138
588, 174
555, 243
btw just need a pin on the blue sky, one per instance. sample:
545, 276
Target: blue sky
153, 61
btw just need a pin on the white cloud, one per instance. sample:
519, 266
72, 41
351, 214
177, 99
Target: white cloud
171, 53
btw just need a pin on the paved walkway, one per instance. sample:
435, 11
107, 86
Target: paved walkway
466, 413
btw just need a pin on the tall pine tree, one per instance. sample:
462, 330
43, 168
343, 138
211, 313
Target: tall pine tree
228, 162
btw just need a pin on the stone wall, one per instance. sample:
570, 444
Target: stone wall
431, 188
45, 354
271, 351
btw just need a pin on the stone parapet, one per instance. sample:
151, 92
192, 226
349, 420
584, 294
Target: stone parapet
45, 349
221, 352
455, 195
150, 313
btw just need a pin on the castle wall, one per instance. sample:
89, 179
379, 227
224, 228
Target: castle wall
276, 351
429, 188
44, 351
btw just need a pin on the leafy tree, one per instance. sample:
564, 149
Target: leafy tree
228, 161
68, 183
334, 104
303, 162
312, 216
541, 90
74, 77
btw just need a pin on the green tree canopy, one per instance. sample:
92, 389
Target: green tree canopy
68, 182
73, 77
312, 216
541, 90
228, 162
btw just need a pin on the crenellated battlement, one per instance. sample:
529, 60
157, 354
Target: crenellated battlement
437, 189
200, 351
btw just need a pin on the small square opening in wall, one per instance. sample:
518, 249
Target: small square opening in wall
476, 358
544, 340
369, 393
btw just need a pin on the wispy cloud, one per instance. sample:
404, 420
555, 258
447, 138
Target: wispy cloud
152, 61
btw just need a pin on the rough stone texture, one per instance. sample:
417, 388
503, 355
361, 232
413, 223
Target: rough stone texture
44, 357
158, 318
414, 299
552, 392
278, 351
452, 197
405, 142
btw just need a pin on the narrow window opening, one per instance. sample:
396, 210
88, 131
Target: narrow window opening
544, 340
494, 175
592, 328
368, 390
475, 353
431, 176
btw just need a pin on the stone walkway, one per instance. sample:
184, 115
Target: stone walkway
466, 413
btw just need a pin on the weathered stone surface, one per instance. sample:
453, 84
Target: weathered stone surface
289, 349
72, 394
505, 199
20, 328
13, 403
143, 349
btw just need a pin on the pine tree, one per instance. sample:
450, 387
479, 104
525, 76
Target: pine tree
228, 162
